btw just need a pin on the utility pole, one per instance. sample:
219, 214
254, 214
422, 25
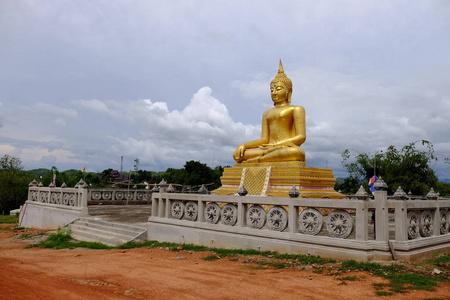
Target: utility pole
121, 164
136, 166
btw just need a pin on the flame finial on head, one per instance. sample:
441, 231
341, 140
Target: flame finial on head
281, 77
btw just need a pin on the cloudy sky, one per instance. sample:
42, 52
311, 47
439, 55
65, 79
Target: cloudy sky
86, 82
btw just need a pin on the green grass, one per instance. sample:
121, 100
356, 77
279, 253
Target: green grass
28, 236
62, 240
400, 280
384, 293
258, 267
9, 219
440, 260
349, 278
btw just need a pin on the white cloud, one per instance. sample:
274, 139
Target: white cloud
47, 108
203, 130
57, 156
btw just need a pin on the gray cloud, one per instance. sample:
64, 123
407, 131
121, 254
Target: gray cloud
86, 83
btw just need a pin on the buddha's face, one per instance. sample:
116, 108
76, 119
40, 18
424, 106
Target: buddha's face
279, 92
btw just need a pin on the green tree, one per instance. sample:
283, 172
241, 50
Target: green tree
194, 173
48, 178
70, 177
443, 188
348, 185
13, 184
407, 167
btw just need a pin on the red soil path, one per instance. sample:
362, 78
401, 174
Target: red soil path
144, 273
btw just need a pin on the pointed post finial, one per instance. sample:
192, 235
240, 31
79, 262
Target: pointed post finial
280, 67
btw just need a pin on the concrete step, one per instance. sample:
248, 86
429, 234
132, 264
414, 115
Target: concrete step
113, 234
109, 226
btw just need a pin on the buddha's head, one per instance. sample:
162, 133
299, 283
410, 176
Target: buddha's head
281, 83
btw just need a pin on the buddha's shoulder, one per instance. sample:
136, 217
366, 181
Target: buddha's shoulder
293, 108
298, 108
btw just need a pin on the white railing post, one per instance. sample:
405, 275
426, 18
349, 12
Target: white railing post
241, 221
161, 206
293, 218
155, 204
201, 210
362, 226
381, 216
437, 220
401, 223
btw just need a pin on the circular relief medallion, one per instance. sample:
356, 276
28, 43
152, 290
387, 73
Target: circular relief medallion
34, 195
44, 196
229, 214
96, 195
310, 221
66, 199
54, 198
119, 195
426, 223
444, 216
212, 213
339, 224
277, 218
256, 217
177, 210
140, 196
413, 225
106, 195
191, 211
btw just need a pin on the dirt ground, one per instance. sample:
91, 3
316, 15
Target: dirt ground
144, 273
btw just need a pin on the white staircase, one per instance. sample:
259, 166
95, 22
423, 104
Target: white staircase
112, 234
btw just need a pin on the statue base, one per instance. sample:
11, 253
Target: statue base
277, 178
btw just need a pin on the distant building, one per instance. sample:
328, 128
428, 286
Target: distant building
118, 177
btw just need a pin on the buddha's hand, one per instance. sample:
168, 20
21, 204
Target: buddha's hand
239, 152
270, 147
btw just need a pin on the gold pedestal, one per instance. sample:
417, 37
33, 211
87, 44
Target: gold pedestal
277, 178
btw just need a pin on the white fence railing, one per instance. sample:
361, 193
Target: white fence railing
370, 226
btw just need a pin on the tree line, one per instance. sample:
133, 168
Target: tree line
408, 167
14, 180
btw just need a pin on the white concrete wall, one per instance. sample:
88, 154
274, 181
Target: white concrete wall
47, 216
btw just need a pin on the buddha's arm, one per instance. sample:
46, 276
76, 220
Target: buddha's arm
255, 143
300, 126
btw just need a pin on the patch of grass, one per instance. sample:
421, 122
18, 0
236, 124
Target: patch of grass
376, 269
349, 278
400, 281
62, 240
9, 227
403, 282
442, 259
8, 219
258, 267
384, 293
278, 265
29, 236
312, 259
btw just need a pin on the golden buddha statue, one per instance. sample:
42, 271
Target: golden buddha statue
271, 165
283, 128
